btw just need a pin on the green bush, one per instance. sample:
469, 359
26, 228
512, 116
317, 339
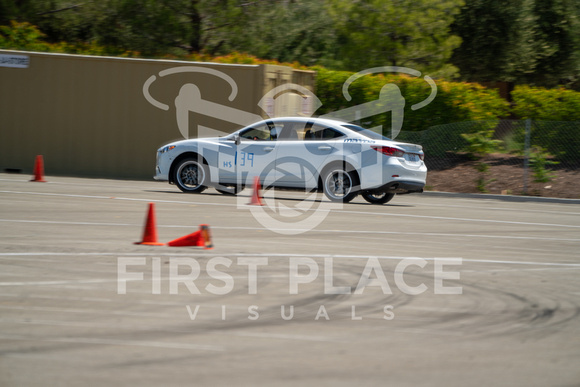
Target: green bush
443, 140
455, 101
25, 36
556, 119
546, 104
561, 139
481, 143
22, 36
539, 160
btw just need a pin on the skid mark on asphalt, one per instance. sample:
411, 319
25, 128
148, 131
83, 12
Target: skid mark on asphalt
101, 341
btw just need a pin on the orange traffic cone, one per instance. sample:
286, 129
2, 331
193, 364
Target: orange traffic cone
39, 170
150, 230
256, 196
201, 238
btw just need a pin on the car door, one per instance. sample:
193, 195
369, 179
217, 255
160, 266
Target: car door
254, 156
301, 153
227, 155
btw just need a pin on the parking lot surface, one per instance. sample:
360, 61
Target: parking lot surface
426, 290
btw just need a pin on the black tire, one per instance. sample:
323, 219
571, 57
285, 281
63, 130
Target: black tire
378, 198
339, 185
191, 175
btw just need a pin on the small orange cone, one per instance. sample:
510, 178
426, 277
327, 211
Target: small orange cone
150, 230
201, 238
39, 170
256, 196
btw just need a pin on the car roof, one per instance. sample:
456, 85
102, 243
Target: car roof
315, 120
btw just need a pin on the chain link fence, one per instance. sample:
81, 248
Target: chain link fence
539, 148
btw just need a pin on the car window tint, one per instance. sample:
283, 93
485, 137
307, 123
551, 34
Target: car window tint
319, 133
260, 133
291, 132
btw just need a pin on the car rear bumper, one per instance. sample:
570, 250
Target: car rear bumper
402, 187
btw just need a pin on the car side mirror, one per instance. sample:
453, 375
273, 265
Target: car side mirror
237, 139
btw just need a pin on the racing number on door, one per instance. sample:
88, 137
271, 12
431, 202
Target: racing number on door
245, 157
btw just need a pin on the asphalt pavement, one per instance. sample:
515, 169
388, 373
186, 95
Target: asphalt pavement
428, 290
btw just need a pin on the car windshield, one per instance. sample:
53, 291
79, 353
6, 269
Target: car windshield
366, 132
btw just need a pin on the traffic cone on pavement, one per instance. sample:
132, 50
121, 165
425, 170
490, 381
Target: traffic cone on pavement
150, 230
256, 196
200, 238
38, 170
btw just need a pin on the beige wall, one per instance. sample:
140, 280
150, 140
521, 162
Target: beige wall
88, 116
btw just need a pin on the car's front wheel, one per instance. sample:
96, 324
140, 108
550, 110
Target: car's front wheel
378, 198
339, 185
190, 175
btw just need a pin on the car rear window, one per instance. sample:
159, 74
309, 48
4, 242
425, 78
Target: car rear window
366, 132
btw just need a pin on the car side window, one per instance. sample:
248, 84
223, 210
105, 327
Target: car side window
320, 133
289, 131
260, 133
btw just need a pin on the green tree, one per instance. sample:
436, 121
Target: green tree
521, 41
58, 20
412, 34
22, 36
148, 26
19, 11
286, 31
557, 35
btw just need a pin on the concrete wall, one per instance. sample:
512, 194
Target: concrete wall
105, 117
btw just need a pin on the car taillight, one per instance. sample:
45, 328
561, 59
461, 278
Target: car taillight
422, 156
389, 151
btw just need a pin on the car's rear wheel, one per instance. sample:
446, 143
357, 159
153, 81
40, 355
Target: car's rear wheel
190, 175
378, 198
339, 185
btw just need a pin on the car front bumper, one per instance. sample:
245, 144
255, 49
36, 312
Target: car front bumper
162, 166
159, 176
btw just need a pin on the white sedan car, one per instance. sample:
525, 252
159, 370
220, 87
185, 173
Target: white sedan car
339, 158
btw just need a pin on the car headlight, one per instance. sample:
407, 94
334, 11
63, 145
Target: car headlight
166, 149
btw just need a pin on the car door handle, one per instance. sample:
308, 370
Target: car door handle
268, 148
324, 147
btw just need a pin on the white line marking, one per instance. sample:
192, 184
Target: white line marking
460, 219
113, 185
519, 269
337, 211
294, 195
69, 223
282, 255
403, 233
422, 204
33, 283
119, 198
311, 231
